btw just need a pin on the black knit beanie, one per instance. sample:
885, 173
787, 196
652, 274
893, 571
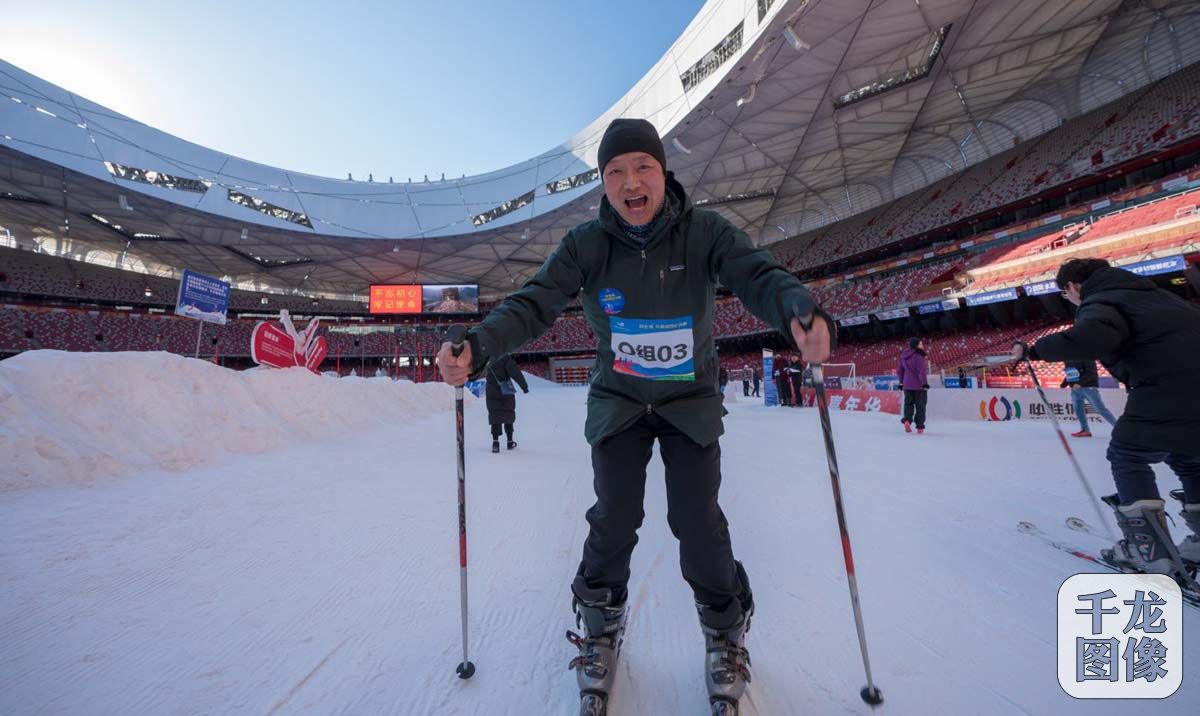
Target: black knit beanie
631, 135
914, 342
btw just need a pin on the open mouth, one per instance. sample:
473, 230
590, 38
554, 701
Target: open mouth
637, 203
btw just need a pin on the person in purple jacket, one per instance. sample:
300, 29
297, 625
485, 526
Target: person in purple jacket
913, 373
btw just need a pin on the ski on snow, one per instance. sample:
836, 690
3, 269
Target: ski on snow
1190, 597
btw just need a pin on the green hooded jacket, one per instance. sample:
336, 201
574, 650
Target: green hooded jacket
625, 286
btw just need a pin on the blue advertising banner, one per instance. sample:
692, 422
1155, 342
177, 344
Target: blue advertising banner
948, 304
886, 382
1170, 264
202, 297
770, 394
981, 299
1041, 288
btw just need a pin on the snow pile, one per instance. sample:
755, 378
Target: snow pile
74, 418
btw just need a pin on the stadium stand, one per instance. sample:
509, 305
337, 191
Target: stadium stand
1158, 116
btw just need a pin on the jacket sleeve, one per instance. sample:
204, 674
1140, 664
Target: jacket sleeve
529, 312
1098, 332
514, 370
900, 370
765, 287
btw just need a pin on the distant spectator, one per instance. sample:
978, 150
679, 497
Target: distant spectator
913, 372
1084, 382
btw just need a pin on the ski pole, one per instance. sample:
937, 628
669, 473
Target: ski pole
1070, 454
870, 693
457, 335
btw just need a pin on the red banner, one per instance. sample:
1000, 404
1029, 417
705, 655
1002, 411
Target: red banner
272, 345
864, 401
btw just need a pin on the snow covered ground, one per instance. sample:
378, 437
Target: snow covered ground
318, 573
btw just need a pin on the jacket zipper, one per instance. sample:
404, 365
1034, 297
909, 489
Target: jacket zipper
643, 273
647, 408
662, 283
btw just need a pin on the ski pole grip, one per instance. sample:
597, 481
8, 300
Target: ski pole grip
457, 335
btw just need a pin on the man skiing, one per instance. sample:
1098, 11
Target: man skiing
646, 271
1084, 381
1149, 339
913, 372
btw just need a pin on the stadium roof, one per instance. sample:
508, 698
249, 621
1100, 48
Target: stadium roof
782, 115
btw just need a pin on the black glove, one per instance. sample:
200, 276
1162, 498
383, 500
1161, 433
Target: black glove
925, 387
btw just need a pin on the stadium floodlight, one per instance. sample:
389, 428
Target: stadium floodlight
679, 145
794, 40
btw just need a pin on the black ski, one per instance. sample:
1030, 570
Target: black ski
1190, 597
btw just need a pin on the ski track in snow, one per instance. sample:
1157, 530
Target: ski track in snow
324, 578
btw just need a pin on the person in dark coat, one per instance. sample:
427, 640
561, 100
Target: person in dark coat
796, 373
783, 382
1149, 339
502, 398
745, 384
1084, 381
757, 378
913, 372
962, 378
645, 271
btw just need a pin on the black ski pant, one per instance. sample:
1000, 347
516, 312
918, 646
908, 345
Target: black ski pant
693, 477
914, 407
508, 428
1135, 479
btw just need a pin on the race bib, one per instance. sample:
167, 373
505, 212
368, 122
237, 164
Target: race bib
653, 348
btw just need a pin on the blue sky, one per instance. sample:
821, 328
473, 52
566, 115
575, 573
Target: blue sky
392, 88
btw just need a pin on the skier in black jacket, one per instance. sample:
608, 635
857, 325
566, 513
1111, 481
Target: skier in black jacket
502, 398
646, 271
1084, 381
1149, 339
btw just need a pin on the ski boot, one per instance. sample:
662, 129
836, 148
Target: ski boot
1145, 547
511, 444
1189, 548
726, 660
603, 624
495, 446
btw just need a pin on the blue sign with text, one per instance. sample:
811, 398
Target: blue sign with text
202, 297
